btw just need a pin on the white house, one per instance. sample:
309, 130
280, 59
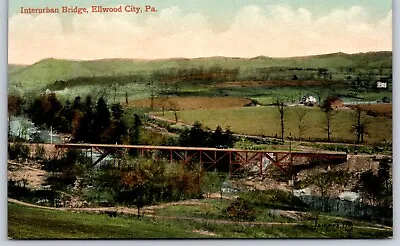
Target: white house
381, 85
308, 100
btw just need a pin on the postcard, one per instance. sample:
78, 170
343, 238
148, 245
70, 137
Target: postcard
156, 119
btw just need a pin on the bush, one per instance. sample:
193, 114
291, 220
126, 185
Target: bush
277, 199
18, 150
19, 190
40, 153
241, 209
104, 198
61, 181
143, 182
212, 182
66, 162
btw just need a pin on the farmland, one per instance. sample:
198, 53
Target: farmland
375, 109
185, 103
265, 121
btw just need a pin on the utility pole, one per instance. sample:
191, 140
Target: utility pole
51, 135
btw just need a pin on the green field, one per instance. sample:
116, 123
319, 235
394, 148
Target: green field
36, 223
265, 121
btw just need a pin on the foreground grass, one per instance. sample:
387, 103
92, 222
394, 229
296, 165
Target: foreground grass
35, 223
265, 121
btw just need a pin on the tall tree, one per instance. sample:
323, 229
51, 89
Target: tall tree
370, 186
15, 104
281, 109
117, 111
217, 137
328, 110
301, 113
360, 126
384, 173
117, 130
195, 136
77, 103
134, 131
44, 110
101, 120
229, 138
83, 122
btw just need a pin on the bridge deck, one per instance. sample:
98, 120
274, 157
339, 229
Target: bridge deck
153, 147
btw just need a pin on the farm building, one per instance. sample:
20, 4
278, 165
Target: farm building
335, 103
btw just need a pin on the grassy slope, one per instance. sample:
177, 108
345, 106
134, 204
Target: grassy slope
34, 223
265, 121
15, 68
50, 70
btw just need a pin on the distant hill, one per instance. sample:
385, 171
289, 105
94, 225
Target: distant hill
14, 68
50, 70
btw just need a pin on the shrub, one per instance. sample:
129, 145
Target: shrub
241, 209
143, 182
212, 182
104, 198
66, 162
40, 152
18, 150
19, 190
61, 181
277, 199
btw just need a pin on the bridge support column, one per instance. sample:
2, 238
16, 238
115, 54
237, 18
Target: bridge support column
230, 163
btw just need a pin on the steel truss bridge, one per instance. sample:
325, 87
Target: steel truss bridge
232, 160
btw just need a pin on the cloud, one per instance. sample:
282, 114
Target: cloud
272, 30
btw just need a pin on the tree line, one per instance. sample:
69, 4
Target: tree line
91, 121
86, 120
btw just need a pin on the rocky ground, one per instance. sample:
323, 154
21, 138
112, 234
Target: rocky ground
356, 164
33, 176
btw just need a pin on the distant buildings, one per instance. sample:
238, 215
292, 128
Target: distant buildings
335, 103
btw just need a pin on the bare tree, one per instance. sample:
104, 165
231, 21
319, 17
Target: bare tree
360, 126
328, 128
164, 100
281, 109
301, 113
152, 100
328, 110
115, 92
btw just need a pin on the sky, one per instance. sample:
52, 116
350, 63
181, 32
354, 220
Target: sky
199, 28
